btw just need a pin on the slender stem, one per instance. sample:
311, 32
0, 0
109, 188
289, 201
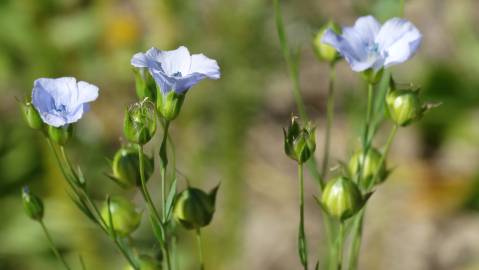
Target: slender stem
357, 229
329, 121
52, 245
302, 244
339, 245
200, 249
164, 164
146, 193
401, 8
369, 112
82, 263
151, 206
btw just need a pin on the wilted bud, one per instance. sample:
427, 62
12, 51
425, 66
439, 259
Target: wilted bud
341, 198
194, 208
146, 262
299, 142
126, 167
404, 106
369, 165
32, 204
31, 116
372, 76
124, 216
145, 84
169, 104
139, 125
60, 135
324, 51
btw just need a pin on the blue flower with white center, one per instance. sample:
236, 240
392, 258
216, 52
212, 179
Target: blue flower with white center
176, 70
368, 45
62, 101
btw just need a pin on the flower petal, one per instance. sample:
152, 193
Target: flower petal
204, 65
150, 59
398, 40
175, 61
367, 27
86, 92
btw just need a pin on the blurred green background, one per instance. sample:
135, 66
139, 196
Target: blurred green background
425, 217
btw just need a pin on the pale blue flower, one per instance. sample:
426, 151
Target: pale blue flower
62, 101
176, 70
369, 45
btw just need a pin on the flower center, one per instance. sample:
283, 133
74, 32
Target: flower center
60, 108
177, 74
373, 48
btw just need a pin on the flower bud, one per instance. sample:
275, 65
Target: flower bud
145, 84
31, 115
324, 51
341, 198
369, 165
60, 135
139, 125
169, 104
124, 216
299, 142
404, 106
194, 208
126, 167
146, 262
32, 204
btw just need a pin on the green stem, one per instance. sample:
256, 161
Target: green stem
357, 229
339, 245
302, 244
329, 122
200, 249
401, 8
52, 246
164, 164
151, 206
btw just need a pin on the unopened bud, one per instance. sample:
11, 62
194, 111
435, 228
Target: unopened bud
299, 141
32, 204
169, 104
341, 198
325, 51
139, 125
369, 165
124, 217
194, 208
126, 167
60, 135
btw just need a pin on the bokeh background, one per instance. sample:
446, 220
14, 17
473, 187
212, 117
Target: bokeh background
424, 218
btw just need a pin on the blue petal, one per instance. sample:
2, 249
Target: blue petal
398, 40
150, 59
204, 65
355, 42
176, 61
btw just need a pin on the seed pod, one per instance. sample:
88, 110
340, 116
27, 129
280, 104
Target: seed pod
124, 216
369, 165
32, 204
194, 208
326, 52
126, 167
299, 141
31, 115
341, 198
139, 124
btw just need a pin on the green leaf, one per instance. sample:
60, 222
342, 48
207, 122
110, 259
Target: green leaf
171, 199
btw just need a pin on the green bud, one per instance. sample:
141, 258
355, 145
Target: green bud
169, 105
326, 52
145, 84
139, 124
404, 106
194, 208
126, 167
146, 262
369, 165
124, 216
60, 135
372, 76
341, 198
299, 141
31, 115
32, 204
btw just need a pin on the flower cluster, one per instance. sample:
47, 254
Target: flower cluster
163, 78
